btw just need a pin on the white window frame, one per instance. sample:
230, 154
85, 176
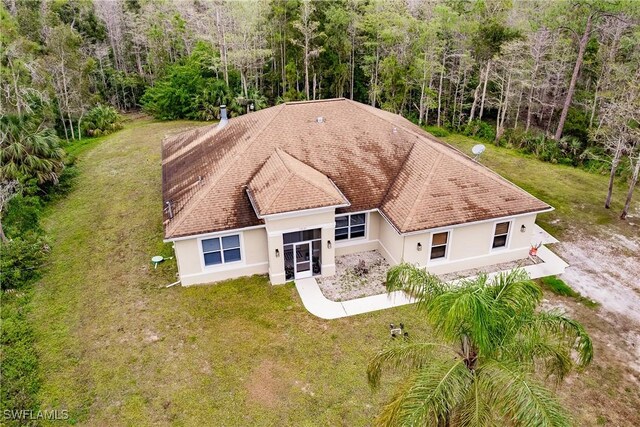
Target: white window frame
223, 264
507, 244
350, 239
447, 248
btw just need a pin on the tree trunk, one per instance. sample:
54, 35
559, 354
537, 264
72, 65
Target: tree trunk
306, 65
3, 238
423, 86
472, 113
515, 125
484, 89
614, 167
632, 185
374, 87
444, 58
530, 101
574, 78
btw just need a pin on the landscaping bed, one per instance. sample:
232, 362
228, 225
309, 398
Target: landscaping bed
357, 275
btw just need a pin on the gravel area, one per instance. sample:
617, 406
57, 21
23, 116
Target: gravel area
363, 274
357, 275
490, 269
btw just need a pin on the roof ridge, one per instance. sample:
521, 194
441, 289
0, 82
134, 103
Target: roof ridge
423, 189
282, 187
312, 168
191, 203
393, 181
311, 101
441, 145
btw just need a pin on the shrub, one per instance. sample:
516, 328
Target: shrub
480, 129
190, 90
23, 215
19, 367
21, 260
436, 131
101, 120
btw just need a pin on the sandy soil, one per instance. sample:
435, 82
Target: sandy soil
607, 270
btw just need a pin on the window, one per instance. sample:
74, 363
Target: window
439, 243
221, 250
350, 226
501, 234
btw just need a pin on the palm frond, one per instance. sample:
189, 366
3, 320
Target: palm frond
514, 292
430, 396
403, 356
569, 331
519, 399
533, 349
475, 410
414, 281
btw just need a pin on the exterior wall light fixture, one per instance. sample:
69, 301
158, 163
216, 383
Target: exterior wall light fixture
419, 246
277, 253
523, 228
328, 244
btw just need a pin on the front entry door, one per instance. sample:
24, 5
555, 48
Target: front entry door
302, 260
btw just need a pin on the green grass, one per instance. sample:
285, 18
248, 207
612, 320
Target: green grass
116, 347
577, 195
559, 287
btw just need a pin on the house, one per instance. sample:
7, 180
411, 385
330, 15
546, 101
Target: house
285, 190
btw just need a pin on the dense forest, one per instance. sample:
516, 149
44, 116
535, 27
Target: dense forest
558, 79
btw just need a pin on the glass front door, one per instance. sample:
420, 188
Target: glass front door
302, 260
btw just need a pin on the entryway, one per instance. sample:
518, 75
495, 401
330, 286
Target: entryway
302, 254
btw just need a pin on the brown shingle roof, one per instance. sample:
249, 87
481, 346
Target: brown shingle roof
285, 184
375, 158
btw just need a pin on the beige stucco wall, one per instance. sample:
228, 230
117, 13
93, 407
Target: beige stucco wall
391, 243
469, 247
325, 220
254, 259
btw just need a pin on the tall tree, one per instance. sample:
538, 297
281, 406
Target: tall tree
308, 29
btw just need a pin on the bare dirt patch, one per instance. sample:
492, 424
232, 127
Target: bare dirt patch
357, 275
265, 385
605, 269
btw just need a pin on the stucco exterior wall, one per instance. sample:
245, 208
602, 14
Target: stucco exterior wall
325, 220
391, 243
191, 265
469, 247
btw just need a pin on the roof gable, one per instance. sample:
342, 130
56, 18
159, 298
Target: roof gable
285, 184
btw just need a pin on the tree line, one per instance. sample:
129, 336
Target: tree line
557, 79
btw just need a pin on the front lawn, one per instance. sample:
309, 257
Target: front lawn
117, 348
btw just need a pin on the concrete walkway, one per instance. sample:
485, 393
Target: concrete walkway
317, 304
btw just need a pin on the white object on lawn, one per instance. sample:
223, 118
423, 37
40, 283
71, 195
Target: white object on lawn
157, 260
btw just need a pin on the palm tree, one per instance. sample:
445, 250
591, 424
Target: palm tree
28, 150
494, 352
